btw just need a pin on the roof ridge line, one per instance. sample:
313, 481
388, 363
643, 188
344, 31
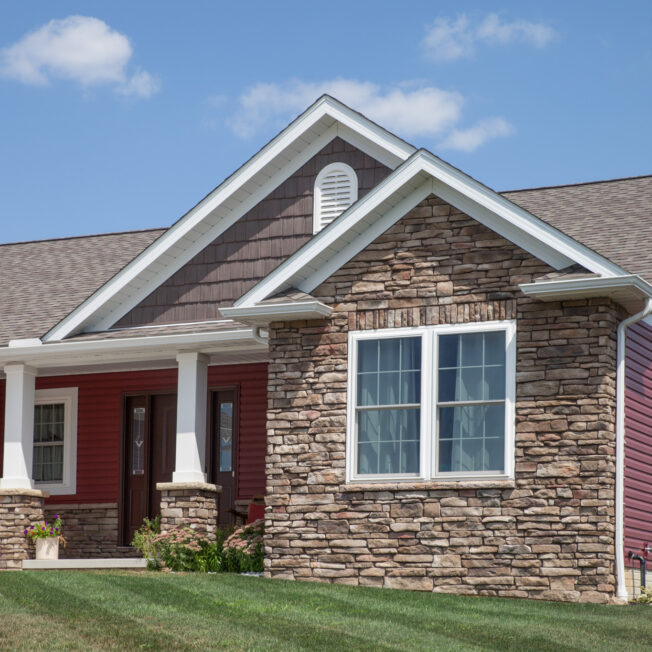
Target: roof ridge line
82, 237
579, 183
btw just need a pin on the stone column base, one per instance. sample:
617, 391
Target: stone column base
19, 508
192, 504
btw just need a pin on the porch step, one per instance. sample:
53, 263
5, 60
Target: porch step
84, 564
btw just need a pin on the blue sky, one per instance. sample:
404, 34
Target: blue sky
122, 115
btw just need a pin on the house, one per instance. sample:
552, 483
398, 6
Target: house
435, 386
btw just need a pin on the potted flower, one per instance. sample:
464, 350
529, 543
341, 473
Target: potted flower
46, 537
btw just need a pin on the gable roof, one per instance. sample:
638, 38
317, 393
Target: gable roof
43, 281
326, 119
421, 175
613, 218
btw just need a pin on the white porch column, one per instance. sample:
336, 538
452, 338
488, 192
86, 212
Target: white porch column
192, 395
19, 427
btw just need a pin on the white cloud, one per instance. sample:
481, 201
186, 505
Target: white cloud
447, 39
408, 109
470, 139
420, 111
77, 48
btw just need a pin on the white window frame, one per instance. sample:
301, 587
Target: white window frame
69, 396
429, 391
324, 172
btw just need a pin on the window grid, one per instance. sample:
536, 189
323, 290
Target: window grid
49, 425
503, 331
399, 412
465, 412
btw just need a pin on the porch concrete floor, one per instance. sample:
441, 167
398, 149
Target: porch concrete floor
83, 564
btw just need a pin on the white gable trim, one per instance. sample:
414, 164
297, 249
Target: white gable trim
419, 176
293, 147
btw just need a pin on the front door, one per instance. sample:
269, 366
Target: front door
150, 446
224, 435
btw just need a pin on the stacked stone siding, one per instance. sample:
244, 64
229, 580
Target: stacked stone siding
189, 504
546, 534
90, 530
18, 510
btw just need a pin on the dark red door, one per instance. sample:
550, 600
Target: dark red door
225, 439
149, 455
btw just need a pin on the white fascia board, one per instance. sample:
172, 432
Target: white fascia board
290, 311
553, 290
347, 121
497, 213
552, 241
134, 347
327, 237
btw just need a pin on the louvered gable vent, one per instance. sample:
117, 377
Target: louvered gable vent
336, 188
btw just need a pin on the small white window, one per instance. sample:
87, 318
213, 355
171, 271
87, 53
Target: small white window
54, 466
336, 188
434, 402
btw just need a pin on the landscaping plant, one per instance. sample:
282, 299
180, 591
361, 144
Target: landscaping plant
45, 529
144, 541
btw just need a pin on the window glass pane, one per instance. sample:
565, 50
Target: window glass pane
471, 344
388, 440
368, 389
138, 441
471, 438
388, 388
411, 353
367, 355
494, 383
448, 385
470, 389
48, 463
449, 350
494, 348
389, 371
226, 436
411, 387
49, 422
390, 354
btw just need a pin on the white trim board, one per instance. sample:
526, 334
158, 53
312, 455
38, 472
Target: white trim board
422, 174
294, 146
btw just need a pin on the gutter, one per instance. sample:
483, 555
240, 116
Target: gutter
621, 591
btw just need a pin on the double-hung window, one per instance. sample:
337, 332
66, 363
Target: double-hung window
55, 440
431, 403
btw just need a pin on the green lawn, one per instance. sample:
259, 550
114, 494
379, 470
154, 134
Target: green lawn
128, 610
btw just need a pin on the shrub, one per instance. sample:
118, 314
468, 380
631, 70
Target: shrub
243, 550
183, 549
644, 598
144, 541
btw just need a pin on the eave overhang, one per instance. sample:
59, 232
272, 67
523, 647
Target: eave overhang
263, 314
629, 290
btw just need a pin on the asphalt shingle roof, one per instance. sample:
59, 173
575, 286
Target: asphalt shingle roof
42, 282
614, 218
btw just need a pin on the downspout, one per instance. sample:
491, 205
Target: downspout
621, 590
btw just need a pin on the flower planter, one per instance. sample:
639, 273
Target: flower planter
47, 548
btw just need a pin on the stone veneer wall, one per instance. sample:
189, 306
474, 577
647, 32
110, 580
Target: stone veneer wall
549, 533
19, 508
190, 503
91, 531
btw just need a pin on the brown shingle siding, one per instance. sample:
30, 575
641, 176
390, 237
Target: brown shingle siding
254, 246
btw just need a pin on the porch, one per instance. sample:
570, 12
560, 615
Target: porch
106, 436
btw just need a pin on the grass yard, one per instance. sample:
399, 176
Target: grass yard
128, 611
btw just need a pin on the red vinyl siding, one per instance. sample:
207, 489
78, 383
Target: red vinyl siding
638, 439
99, 427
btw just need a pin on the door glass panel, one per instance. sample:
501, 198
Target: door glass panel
138, 441
226, 435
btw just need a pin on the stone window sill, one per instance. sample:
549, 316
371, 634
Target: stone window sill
430, 485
